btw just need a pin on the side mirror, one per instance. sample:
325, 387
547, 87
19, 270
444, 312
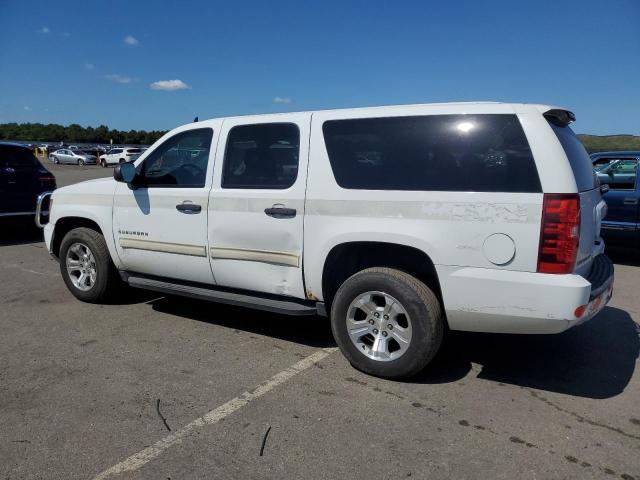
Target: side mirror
125, 172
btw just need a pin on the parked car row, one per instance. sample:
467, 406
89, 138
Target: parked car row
88, 156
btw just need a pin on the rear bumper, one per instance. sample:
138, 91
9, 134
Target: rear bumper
503, 301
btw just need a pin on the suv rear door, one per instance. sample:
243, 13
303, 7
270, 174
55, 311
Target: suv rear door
256, 207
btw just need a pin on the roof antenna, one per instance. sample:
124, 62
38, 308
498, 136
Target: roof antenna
195, 119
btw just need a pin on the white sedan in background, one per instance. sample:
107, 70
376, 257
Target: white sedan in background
120, 155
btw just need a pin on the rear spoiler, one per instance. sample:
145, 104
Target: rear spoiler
558, 117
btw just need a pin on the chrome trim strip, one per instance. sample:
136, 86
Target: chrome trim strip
163, 247
15, 214
612, 225
41, 198
287, 259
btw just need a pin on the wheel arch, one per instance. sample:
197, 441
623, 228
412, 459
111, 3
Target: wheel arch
65, 224
348, 258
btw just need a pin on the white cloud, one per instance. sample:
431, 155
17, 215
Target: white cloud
66, 34
27, 108
44, 30
114, 77
131, 40
282, 100
89, 66
169, 85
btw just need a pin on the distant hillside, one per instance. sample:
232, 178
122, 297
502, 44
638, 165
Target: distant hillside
597, 143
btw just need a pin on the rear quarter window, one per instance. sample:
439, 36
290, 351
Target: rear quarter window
579, 159
477, 153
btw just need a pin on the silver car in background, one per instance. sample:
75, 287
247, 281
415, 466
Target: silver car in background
65, 155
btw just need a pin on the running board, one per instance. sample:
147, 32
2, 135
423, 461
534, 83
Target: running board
275, 305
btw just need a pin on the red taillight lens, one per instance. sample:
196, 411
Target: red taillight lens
559, 233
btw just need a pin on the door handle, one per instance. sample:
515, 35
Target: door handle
280, 211
630, 201
189, 208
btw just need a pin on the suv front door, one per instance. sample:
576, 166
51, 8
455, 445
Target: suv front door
256, 208
160, 226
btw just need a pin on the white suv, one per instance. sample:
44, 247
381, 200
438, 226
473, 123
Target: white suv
397, 222
119, 155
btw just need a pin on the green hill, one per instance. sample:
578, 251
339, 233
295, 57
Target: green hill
598, 143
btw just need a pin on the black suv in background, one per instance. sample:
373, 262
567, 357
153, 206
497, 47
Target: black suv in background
22, 180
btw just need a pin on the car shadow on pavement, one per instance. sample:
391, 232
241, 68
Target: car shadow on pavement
594, 360
18, 231
312, 331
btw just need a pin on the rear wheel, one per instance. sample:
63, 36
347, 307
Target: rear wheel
121, 160
387, 322
86, 266
103, 163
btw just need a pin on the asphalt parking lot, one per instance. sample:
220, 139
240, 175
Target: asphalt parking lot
160, 387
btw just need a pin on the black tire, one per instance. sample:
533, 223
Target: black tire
81, 163
421, 305
121, 161
103, 164
55, 160
107, 281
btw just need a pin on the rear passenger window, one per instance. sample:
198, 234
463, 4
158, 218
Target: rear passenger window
261, 156
476, 153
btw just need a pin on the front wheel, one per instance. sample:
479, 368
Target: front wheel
387, 322
81, 163
86, 266
55, 160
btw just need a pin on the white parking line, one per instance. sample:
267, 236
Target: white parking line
134, 462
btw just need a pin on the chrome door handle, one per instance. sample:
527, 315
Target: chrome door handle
189, 208
630, 201
280, 211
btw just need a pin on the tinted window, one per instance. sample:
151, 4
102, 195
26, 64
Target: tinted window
578, 157
261, 156
180, 161
480, 153
618, 173
16, 157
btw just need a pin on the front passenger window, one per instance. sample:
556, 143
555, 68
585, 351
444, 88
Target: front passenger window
180, 161
261, 156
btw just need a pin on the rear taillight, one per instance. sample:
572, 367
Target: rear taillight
559, 233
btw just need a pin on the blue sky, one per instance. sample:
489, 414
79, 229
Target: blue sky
96, 62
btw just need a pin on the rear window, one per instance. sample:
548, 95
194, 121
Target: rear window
477, 153
578, 157
16, 157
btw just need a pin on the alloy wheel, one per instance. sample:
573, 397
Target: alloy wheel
81, 266
379, 326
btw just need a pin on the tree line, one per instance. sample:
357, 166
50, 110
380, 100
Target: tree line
74, 133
